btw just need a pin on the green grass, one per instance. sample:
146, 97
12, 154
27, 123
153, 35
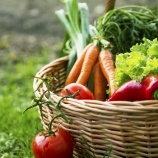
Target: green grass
16, 93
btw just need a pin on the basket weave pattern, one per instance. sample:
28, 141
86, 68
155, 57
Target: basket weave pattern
129, 128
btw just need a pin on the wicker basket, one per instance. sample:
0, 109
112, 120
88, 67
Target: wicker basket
129, 129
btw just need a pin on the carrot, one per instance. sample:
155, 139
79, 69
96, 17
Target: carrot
88, 64
108, 68
100, 83
75, 71
90, 82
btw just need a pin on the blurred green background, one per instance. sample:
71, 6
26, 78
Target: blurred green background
30, 37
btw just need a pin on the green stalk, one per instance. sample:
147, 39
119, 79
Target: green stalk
126, 26
65, 22
76, 24
85, 28
72, 12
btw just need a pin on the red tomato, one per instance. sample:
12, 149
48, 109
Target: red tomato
59, 145
84, 92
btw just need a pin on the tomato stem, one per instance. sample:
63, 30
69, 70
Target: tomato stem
40, 102
60, 113
50, 132
68, 96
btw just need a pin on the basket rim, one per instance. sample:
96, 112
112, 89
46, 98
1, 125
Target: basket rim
125, 106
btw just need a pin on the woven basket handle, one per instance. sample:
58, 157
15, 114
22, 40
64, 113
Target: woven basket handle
109, 5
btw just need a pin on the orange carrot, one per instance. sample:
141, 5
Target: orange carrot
108, 68
100, 84
75, 71
88, 64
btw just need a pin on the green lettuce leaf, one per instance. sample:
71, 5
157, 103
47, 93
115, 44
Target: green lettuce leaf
141, 61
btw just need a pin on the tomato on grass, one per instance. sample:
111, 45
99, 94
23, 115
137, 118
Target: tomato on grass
72, 88
58, 145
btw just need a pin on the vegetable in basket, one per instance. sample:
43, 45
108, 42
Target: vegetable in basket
133, 90
100, 84
90, 60
141, 61
107, 65
136, 73
82, 92
75, 20
84, 72
76, 68
125, 26
130, 91
150, 83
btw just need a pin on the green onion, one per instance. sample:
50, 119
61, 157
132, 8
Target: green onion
75, 21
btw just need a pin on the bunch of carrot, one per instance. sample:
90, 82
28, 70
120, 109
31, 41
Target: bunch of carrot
98, 61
